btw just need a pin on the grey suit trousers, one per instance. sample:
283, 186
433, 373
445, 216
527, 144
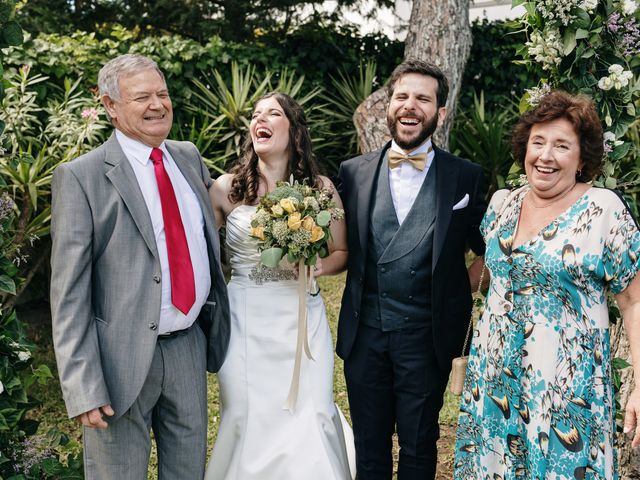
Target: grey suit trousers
172, 403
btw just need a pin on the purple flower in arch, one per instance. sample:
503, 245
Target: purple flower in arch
613, 22
628, 32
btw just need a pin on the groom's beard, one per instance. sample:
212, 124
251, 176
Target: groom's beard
408, 142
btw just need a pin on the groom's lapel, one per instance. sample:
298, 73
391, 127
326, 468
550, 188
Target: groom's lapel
446, 185
365, 178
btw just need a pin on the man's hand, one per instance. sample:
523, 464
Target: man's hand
93, 418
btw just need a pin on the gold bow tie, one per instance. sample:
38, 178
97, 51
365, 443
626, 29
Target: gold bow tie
419, 161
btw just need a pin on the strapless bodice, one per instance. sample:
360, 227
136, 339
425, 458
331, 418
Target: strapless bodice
244, 256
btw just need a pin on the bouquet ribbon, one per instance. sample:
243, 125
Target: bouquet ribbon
303, 337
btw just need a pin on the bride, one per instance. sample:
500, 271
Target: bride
257, 438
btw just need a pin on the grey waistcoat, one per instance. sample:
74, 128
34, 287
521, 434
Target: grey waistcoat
397, 290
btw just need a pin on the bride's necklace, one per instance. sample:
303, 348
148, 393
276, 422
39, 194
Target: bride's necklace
555, 200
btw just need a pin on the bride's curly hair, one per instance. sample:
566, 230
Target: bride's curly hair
302, 161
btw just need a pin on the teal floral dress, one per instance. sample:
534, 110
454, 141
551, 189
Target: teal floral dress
538, 397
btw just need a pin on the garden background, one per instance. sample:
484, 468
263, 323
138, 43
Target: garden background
218, 57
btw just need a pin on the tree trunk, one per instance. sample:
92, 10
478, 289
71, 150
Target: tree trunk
439, 32
628, 460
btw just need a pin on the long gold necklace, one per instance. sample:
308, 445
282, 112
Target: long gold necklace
532, 203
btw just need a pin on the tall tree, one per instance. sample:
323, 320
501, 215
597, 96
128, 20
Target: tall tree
439, 32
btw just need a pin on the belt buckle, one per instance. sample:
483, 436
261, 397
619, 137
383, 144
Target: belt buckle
172, 334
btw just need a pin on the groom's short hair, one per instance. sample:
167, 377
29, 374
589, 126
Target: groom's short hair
414, 65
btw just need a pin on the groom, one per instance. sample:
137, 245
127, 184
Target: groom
138, 300
415, 210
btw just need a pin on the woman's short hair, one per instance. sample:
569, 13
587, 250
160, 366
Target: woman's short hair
581, 113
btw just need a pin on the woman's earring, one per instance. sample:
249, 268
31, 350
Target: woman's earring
578, 173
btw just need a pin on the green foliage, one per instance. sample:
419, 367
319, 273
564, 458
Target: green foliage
41, 133
345, 94
24, 180
226, 111
24, 453
593, 50
237, 20
318, 53
222, 110
491, 67
483, 136
81, 55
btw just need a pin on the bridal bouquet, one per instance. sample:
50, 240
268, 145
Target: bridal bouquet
293, 221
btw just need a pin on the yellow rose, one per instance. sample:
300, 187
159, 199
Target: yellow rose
289, 204
258, 232
317, 233
308, 223
277, 210
294, 222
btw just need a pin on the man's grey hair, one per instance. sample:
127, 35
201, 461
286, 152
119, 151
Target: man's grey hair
123, 66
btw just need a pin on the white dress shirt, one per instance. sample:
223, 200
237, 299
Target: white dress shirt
171, 319
405, 181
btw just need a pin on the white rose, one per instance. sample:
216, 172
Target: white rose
24, 356
616, 69
609, 136
589, 5
1, 387
605, 83
628, 7
626, 76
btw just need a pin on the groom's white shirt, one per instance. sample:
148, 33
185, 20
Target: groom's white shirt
405, 180
171, 319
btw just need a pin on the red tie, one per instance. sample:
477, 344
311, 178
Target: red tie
183, 290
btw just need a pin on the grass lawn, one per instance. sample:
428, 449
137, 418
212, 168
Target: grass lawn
52, 413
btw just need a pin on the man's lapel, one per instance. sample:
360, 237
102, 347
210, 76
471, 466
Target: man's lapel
446, 186
365, 178
123, 178
196, 182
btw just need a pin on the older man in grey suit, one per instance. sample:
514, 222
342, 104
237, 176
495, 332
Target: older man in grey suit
138, 299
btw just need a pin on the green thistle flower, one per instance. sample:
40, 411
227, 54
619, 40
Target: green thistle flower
280, 231
312, 203
284, 191
300, 239
260, 218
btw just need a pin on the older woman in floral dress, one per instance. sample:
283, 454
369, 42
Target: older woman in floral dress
538, 397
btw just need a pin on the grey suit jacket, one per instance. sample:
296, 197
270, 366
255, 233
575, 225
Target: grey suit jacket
105, 277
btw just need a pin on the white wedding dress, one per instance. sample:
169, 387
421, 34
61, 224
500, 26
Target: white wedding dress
257, 438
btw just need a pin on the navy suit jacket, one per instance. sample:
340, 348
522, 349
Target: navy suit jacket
455, 231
